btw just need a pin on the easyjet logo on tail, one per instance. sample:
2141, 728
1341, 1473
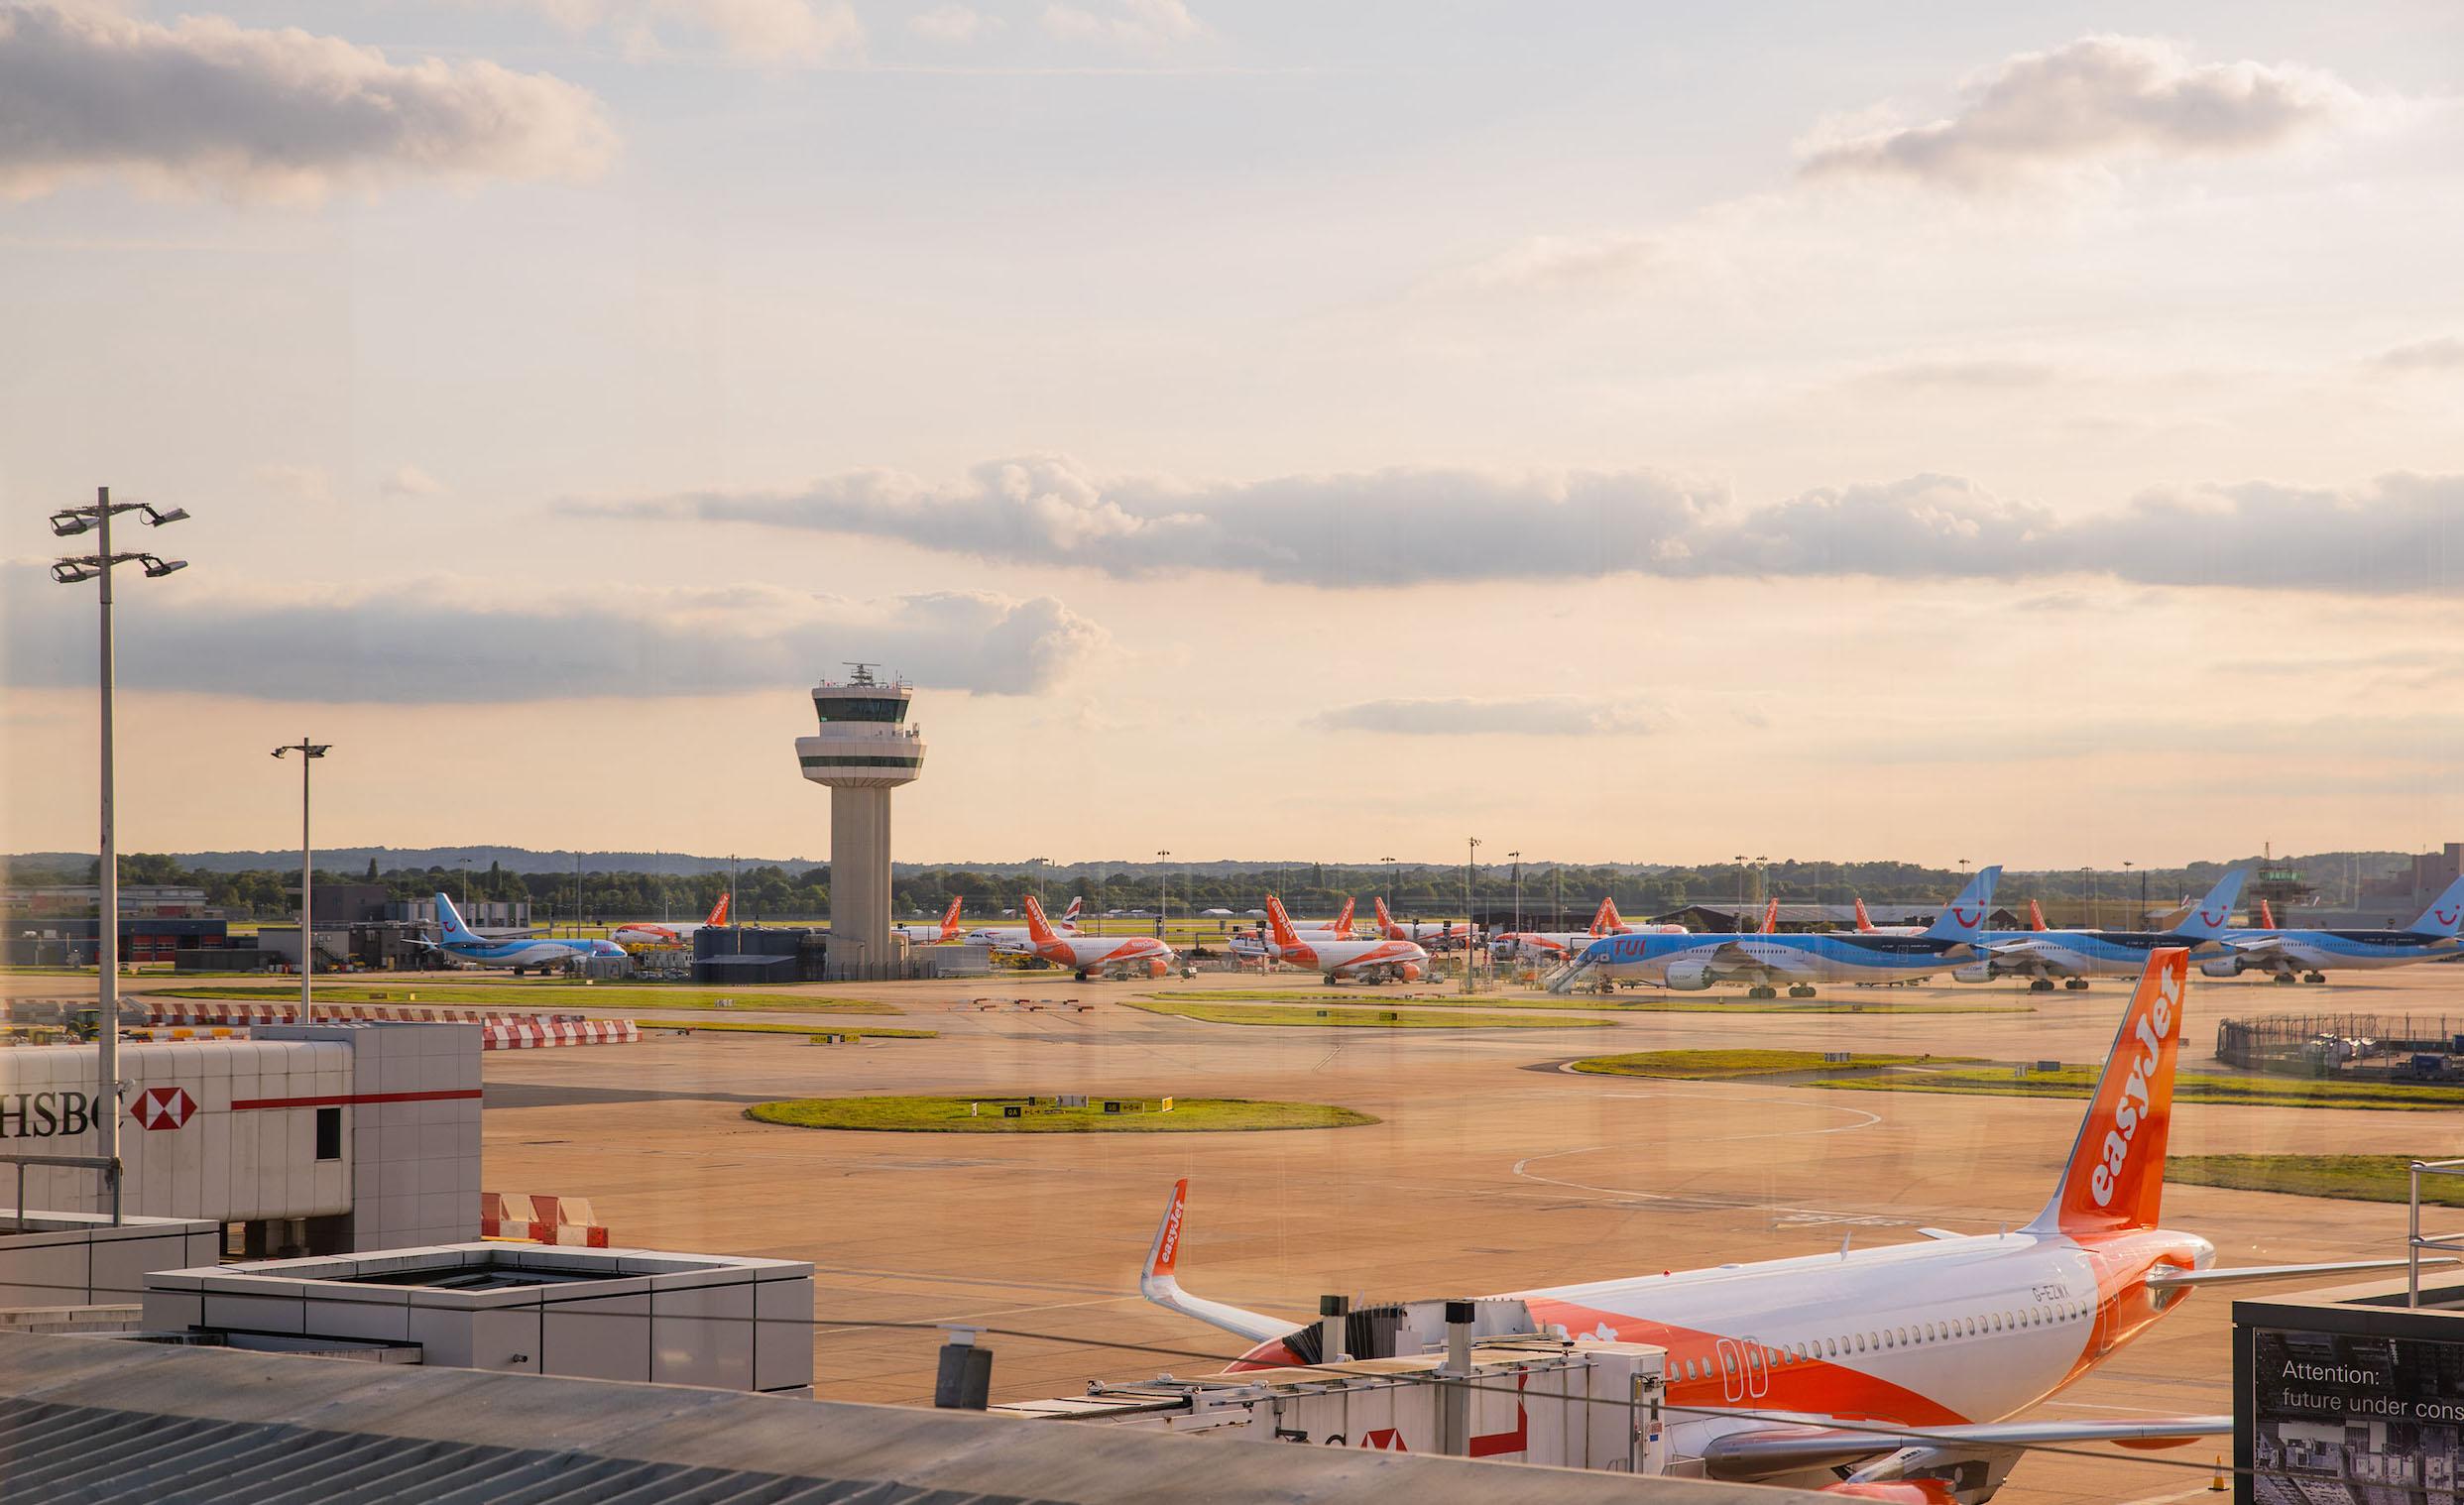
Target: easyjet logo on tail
1168, 1242
2134, 1102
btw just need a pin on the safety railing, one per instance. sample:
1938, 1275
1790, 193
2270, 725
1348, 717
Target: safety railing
2414, 1239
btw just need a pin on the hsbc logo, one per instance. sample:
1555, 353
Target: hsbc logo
162, 1107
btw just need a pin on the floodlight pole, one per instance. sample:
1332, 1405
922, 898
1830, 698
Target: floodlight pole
68, 523
1471, 932
107, 901
309, 752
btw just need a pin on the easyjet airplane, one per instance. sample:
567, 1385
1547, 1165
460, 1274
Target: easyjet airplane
1015, 937
1344, 961
1812, 1371
1257, 942
1115, 955
646, 933
1446, 932
927, 935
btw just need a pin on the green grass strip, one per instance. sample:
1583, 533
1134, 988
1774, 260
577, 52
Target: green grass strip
1360, 1018
2354, 1178
1045, 1115
2079, 1082
1713, 1064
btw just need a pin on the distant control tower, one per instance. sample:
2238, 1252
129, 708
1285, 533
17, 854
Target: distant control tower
865, 750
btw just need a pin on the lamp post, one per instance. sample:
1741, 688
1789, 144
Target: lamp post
1163, 911
76, 569
1471, 936
1517, 858
309, 752
2143, 908
1389, 865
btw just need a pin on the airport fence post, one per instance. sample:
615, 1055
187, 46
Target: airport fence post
964, 1379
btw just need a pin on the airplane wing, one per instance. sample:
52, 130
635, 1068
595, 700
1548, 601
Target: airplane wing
1736, 958
2029, 953
1156, 1281
1762, 1453
2163, 1278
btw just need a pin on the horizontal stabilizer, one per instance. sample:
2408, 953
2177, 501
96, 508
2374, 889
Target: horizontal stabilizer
2165, 1278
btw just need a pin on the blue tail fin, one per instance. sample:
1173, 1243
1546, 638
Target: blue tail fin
1964, 920
450, 923
2443, 915
2210, 919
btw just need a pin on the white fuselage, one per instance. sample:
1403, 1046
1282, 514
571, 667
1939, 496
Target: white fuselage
1933, 1334
1341, 959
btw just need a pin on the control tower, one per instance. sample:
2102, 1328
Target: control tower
863, 751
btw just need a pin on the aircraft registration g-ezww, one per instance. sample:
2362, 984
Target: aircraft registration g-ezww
1845, 1372
2074, 956
2313, 954
546, 954
1692, 963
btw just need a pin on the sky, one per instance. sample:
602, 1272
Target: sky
1639, 433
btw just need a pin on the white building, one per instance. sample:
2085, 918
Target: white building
315, 1138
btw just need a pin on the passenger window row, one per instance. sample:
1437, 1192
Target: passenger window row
2009, 1319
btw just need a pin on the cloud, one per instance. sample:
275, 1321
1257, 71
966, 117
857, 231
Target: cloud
2443, 354
447, 642
1461, 715
956, 25
1407, 526
1981, 373
410, 481
751, 31
1382, 528
267, 114
1147, 25
2095, 101
1558, 263
309, 484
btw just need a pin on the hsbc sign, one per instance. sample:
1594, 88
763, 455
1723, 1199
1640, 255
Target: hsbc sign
46, 1115
68, 1114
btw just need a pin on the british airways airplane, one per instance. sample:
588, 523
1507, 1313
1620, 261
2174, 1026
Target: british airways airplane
2074, 956
1692, 963
546, 954
2313, 954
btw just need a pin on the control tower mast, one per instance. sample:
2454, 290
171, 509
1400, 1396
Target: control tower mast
863, 751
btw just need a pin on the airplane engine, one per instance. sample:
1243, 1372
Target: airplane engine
1973, 972
2222, 967
1409, 971
1157, 968
1689, 976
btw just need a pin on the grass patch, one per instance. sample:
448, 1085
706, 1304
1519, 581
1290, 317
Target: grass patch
808, 1031
1575, 1002
1045, 1115
1400, 1017
1718, 1065
541, 996
2079, 1082
2354, 1178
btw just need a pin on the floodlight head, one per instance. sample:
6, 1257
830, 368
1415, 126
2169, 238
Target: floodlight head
279, 751
320, 749
69, 573
156, 569
65, 525
158, 518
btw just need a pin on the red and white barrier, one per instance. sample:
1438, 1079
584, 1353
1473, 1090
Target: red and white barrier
499, 1030
564, 1220
540, 1034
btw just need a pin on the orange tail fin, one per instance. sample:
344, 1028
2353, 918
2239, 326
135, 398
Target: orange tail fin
1038, 929
1771, 918
1864, 922
1342, 921
949, 920
2267, 916
2036, 916
2116, 1175
1280, 923
718, 911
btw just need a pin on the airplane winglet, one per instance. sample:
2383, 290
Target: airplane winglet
1158, 1283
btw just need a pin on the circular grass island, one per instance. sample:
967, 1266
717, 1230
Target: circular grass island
1053, 1116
